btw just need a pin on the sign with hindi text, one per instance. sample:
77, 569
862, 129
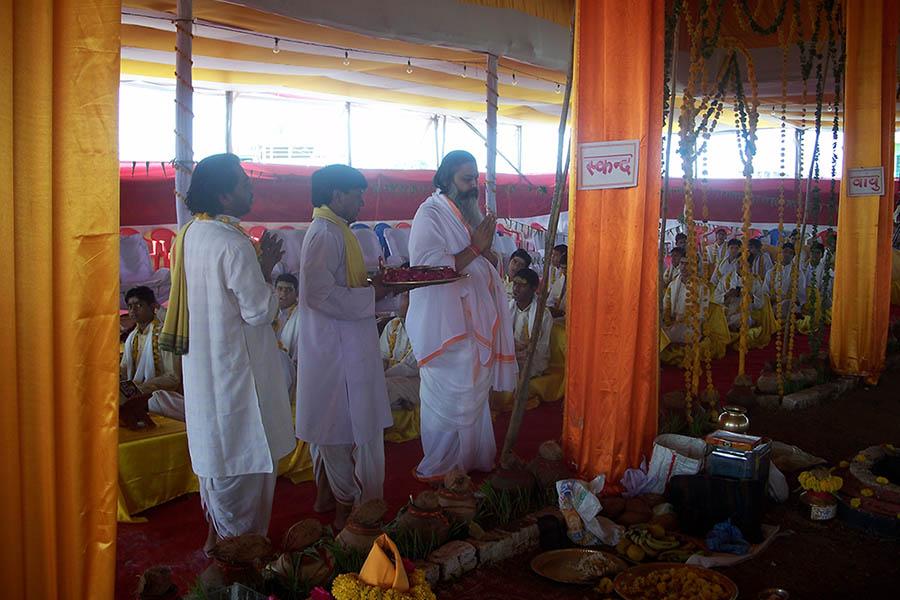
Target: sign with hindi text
607, 165
865, 182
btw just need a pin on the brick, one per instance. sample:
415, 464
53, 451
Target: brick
495, 547
454, 558
525, 537
550, 511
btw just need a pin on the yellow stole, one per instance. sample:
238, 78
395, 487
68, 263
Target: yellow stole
174, 336
356, 266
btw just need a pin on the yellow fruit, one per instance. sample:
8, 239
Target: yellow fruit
855, 502
657, 530
622, 546
604, 586
844, 464
867, 492
635, 553
860, 458
881, 480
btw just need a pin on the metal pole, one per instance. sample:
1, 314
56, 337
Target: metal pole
500, 154
490, 192
519, 147
184, 108
443, 136
229, 116
437, 143
349, 137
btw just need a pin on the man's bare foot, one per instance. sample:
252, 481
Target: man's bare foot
340, 515
211, 540
325, 501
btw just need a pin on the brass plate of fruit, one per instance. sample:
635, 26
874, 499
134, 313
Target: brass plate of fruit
655, 581
577, 565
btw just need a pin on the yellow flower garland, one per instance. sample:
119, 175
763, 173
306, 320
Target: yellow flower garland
820, 480
349, 587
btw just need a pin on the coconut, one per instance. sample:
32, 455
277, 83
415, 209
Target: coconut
363, 526
426, 518
512, 475
313, 569
250, 548
457, 497
550, 450
613, 506
548, 467
302, 535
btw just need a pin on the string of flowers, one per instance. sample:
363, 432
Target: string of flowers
745, 18
779, 329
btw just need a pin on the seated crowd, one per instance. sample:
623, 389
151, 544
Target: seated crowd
259, 344
800, 286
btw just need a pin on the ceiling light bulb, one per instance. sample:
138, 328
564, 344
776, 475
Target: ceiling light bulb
408, 66
515, 81
346, 57
275, 48
558, 89
464, 74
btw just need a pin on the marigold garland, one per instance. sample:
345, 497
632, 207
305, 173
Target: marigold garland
349, 587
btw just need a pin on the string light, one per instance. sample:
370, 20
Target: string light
464, 74
346, 57
515, 82
558, 89
409, 68
275, 48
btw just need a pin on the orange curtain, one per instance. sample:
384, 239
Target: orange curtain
862, 278
611, 395
59, 79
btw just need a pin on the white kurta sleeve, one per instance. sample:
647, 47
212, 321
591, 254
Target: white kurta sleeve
323, 256
384, 343
244, 278
427, 245
542, 352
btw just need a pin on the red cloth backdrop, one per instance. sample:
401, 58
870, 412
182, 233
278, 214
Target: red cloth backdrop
281, 195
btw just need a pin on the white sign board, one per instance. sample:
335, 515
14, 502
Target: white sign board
606, 165
865, 182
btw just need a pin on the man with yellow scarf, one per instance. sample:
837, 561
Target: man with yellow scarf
342, 401
220, 317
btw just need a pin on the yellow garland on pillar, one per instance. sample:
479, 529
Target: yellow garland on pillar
779, 332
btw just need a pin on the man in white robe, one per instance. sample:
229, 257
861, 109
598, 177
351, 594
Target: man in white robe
401, 369
523, 308
155, 373
771, 285
556, 255
674, 269
520, 259
675, 321
819, 276
236, 405
342, 403
461, 332
286, 326
716, 252
728, 294
730, 264
556, 297
760, 261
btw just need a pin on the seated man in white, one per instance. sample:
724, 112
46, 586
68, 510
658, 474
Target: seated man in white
786, 269
760, 261
285, 325
401, 369
673, 270
728, 294
675, 322
556, 255
819, 276
556, 298
730, 264
520, 259
154, 373
523, 308
716, 252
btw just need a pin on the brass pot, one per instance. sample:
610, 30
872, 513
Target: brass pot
734, 419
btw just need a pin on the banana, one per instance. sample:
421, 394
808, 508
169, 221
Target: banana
662, 545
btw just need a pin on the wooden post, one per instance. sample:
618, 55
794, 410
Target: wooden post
229, 116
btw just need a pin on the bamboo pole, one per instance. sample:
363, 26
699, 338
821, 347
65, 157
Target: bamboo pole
562, 169
184, 108
492, 98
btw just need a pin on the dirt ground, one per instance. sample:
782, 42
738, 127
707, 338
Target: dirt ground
812, 561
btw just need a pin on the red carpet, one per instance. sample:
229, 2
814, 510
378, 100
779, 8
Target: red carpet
176, 531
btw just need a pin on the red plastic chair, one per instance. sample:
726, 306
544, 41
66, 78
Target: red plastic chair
287, 228
162, 242
126, 231
257, 231
403, 225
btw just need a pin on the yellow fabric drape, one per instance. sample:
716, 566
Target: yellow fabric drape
862, 274
59, 295
611, 397
175, 332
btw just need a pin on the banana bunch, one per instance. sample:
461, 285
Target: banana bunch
820, 480
651, 545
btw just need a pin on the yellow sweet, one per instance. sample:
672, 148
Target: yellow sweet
855, 502
860, 458
844, 464
881, 480
867, 492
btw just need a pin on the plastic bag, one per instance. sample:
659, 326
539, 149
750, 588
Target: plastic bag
674, 455
637, 481
579, 505
777, 486
725, 537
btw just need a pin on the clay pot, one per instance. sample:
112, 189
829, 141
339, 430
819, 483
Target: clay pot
302, 535
364, 525
426, 518
312, 569
548, 466
457, 498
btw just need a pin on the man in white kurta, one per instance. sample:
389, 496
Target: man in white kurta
716, 252
728, 294
523, 308
675, 322
286, 325
155, 372
342, 404
786, 270
674, 269
461, 332
730, 264
819, 275
401, 369
760, 261
236, 405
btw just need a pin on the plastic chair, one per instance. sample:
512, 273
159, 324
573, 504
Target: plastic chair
162, 253
257, 231
371, 247
360, 226
398, 243
403, 225
287, 227
127, 231
379, 231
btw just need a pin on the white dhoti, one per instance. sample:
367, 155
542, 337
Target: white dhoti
456, 416
167, 404
240, 504
355, 473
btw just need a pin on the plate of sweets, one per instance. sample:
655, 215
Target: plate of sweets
674, 581
416, 277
